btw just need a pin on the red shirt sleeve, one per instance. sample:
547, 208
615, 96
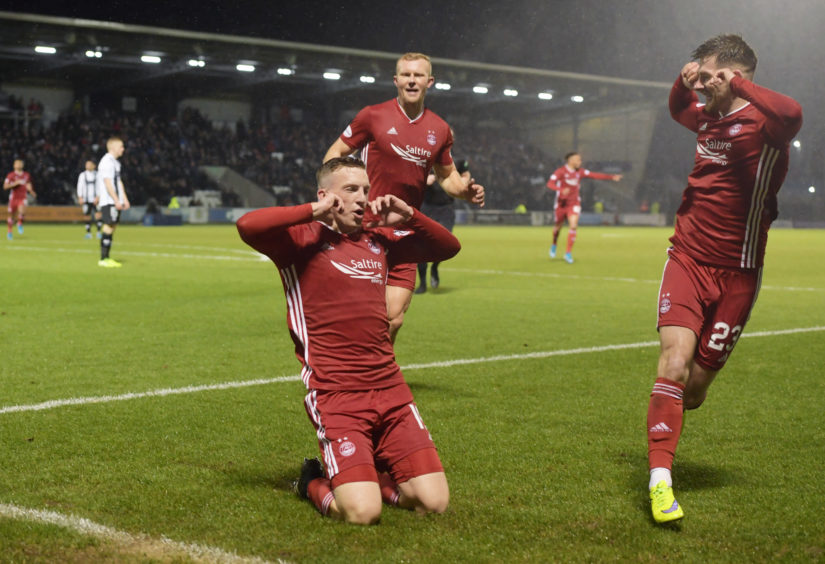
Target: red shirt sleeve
784, 114
265, 230
597, 175
358, 132
682, 103
427, 242
554, 183
445, 157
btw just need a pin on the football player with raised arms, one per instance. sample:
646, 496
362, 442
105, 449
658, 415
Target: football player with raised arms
714, 267
566, 182
400, 141
333, 267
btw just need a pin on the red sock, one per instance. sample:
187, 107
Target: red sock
320, 494
571, 238
664, 422
389, 489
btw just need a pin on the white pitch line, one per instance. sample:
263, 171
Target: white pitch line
601, 278
251, 258
140, 541
138, 395
161, 245
52, 404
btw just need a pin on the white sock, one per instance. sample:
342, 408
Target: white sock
659, 474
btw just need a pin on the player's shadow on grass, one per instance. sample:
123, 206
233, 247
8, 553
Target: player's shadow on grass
281, 479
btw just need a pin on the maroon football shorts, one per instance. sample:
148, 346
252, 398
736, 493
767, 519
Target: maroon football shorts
713, 302
16, 203
566, 209
379, 428
402, 275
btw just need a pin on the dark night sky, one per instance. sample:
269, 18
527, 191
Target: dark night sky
644, 39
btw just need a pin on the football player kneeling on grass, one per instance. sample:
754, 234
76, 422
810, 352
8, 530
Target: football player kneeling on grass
373, 441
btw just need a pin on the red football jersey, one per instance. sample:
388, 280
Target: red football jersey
335, 290
741, 161
399, 151
19, 191
567, 183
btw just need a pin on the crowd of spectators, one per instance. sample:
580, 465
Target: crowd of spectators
164, 156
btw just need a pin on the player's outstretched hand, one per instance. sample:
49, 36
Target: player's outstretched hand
690, 74
390, 211
475, 193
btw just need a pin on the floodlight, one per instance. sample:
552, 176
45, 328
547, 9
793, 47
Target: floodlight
151, 59
283, 71
332, 75
480, 89
93, 54
797, 144
510, 92
367, 79
45, 50
243, 67
545, 95
577, 99
442, 86
811, 189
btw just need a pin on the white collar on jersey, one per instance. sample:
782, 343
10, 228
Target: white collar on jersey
400, 107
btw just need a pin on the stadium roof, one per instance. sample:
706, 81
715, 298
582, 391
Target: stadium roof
97, 56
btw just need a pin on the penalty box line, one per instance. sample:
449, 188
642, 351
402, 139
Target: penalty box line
139, 542
52, 404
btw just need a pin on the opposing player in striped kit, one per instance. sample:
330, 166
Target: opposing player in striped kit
113, 199
714, 268
87, 198
334, 268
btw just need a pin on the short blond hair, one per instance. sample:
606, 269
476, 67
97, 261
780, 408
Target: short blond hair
111, 141
413, 57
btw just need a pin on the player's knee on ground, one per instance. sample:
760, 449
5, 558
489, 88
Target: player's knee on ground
361, 511
358, 503
426, 494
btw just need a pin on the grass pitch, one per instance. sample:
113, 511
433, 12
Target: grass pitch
541, 426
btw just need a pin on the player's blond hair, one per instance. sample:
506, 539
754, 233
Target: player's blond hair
111, 141
335, 164
414, 57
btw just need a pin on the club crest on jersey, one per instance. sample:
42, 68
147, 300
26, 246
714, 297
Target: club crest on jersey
664, 304
373, 247
431, 137
735, 129
346, 447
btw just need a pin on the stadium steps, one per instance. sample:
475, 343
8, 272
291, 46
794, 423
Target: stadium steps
250, 194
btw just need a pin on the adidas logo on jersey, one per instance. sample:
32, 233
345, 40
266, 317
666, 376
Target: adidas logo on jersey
660, 428
392, 131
